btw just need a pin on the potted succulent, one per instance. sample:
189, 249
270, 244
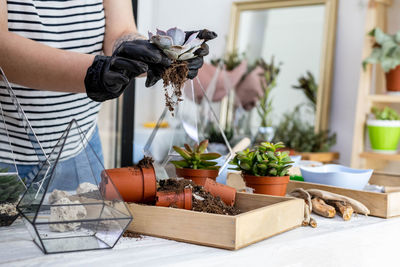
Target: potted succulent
384, 130
196, 165
386, 52
264, 168
11, 188
135, 184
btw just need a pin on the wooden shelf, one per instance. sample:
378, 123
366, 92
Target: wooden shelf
380, 156
384, 98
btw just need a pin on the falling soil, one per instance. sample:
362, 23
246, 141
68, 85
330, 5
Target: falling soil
175, 76
202, 200
131, 234
146, 162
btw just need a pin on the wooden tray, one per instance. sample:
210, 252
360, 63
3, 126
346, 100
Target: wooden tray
384, 205
263, 217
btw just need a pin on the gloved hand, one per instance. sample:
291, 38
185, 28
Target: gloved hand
156, 71
109, 76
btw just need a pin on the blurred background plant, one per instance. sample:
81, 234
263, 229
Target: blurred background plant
385, 113
309, 87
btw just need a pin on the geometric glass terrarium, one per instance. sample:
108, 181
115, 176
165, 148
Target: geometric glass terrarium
72, 204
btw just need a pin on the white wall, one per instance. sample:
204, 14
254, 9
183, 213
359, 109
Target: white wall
214, 14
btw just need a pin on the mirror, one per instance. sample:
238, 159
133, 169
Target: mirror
299, 35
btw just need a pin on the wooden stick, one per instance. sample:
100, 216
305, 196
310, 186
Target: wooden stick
323, 209
345, 209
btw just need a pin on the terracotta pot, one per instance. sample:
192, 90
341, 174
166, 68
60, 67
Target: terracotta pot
133, 183
275, 186
197, 176
182, 200
393, 80
226, 193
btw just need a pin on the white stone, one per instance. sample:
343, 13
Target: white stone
86, 188
66, 213
57, 195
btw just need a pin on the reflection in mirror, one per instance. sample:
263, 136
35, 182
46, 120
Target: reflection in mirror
293, 36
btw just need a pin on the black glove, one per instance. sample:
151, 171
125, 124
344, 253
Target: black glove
148, 53
196, 63
155, 72
108, 77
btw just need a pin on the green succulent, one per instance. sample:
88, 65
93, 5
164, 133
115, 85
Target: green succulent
385, 114
309, 87
263, 160
301, 136
386, 50
195, 157
11, 188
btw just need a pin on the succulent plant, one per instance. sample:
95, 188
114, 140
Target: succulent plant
172, 43
263, 160
11, 188
310, 88
386, 50
385, 114
195, 157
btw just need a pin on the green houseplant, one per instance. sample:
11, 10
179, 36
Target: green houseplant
309, 87
386, 52
384, 130
264, 168
11, 188
196, 164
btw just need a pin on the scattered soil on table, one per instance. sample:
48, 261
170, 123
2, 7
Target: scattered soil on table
146, 162
175, 76
202, 200
131, 234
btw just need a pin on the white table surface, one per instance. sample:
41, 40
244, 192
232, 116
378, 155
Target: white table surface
363, 241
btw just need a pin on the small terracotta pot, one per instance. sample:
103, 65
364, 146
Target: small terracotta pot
182, 200
275, 186
226, 193
393, 80
197, 176
133, 183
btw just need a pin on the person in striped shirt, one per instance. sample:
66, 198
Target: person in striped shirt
62, 59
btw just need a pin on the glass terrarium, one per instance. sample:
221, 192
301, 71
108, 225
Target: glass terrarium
65, 208
11, 185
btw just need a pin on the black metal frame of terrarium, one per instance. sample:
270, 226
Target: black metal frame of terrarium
65, 208
11, 184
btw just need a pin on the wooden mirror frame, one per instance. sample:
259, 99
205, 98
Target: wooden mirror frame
327, 56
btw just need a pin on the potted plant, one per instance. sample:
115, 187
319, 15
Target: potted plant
384, 130
300, 138
264, 168
196, 165
135, 184
386, 52
11, 188
267, 80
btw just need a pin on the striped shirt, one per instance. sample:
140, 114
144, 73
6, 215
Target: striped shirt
74, 25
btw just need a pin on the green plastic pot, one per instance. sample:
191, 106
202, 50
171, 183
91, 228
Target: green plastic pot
384, 135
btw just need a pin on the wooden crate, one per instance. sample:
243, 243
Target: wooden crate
263, 217
384, 205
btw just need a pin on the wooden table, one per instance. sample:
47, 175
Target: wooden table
363, 241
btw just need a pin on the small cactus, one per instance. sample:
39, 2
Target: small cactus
11, 188
195, 158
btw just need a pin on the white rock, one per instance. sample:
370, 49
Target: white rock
56, 195
86, 188
66, 213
